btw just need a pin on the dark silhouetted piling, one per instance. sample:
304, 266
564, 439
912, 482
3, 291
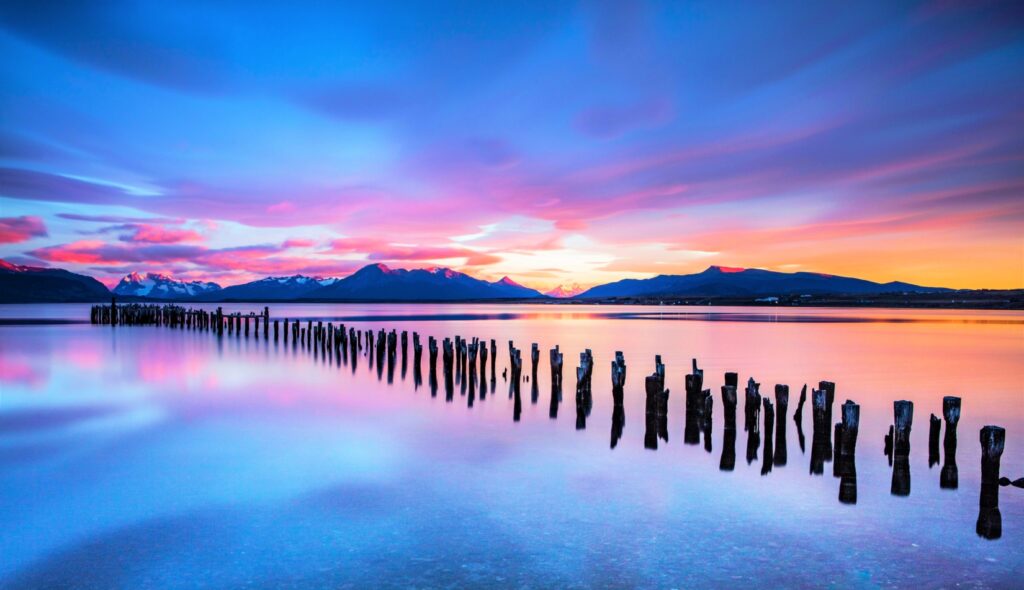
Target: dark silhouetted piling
934, 429
990, 520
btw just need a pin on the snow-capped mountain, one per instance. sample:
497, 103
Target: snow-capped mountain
270, 289
161, 286
565, 291
377, 282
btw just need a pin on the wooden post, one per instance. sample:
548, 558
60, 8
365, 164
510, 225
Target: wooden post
768, 454
781, 408
729, 406
990, 520
903, 420
695, 403
555, 358
934, 428
752, 405
951, 414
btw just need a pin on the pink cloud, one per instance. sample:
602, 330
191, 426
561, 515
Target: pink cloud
282, 207
379, 250
155, 234
298, 243
20, 229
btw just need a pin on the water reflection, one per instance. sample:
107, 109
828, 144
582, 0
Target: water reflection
765, 422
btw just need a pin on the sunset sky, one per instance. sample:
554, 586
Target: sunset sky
552, 142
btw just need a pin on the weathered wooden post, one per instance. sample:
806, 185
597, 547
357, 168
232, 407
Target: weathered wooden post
432, 354
534, 359
657, 407
951, 413
949, 477
934, 427
846, 452
696, 397
781, 408
821, 441
494, 359
903, 420
990, 520
555, 358
618, 377
752, 405
729, 405
277, 330
768, 458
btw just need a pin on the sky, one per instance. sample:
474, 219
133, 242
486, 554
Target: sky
556, 143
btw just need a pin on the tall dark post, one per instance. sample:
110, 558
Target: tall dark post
657, 407
781, 407
555, 358
768, 458
618, 377
729, 406
990, 520
696, 400
949, 477
752, 405
846, 451
903, 419
934, 429
821, 441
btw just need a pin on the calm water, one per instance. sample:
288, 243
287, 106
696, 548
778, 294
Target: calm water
148, 457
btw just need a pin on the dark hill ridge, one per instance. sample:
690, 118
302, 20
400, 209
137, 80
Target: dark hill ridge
721, 281
33, 284
377, 282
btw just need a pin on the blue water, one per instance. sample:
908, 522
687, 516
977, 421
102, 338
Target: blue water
153, 458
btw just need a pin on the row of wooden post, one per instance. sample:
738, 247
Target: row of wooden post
464, 362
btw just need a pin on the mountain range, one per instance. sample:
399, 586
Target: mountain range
377, 282
723, 281
161, 286
269, 289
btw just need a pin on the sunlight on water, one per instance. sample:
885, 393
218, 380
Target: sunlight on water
154, 457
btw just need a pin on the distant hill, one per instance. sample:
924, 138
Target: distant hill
161, 286
720, 281
269, 289
31, 284
377, 282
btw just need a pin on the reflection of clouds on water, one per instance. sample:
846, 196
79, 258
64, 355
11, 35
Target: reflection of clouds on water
18, 371
181, 458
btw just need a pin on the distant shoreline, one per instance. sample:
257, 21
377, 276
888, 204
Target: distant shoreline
967, 299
